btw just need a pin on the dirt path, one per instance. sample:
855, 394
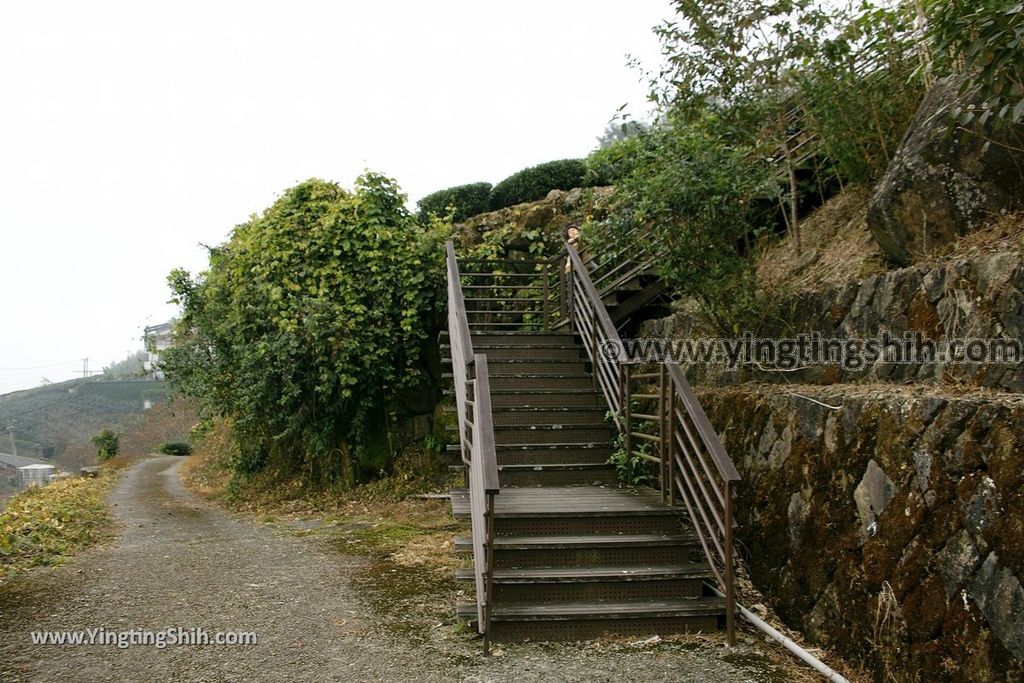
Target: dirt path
182, 562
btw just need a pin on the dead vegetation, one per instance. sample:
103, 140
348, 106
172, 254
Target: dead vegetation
838, 247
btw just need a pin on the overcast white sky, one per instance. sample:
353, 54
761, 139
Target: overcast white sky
132, 132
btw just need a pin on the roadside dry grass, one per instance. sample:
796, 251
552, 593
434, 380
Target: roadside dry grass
46, 525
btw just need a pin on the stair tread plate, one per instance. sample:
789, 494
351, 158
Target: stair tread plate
594, 574
556, 467
545, 392
497, 372
542, 409
582, 445
588, 541
641, 609
553, 426
559, 501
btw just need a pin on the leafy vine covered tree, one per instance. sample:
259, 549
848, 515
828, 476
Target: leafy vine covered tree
309, 322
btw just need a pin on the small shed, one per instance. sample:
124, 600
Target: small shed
35, 475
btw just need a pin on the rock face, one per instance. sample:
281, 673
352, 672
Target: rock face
534, 229
889, 526
981, 297
940, 184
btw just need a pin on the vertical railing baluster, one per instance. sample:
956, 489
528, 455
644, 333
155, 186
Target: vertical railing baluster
730, 579
489, 576
627, 410
662, 386
563, 298
671, 456
547, 314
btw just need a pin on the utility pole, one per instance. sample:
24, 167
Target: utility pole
85, 367
14, 446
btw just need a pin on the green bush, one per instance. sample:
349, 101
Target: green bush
175, 448
691, 193
107, 444
309, 322
468, 200
610, 162
535, 182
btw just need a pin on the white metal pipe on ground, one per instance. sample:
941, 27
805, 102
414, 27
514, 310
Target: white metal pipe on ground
799, 652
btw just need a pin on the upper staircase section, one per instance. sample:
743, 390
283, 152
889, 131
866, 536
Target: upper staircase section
530, 295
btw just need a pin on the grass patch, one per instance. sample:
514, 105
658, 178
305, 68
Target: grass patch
46, 525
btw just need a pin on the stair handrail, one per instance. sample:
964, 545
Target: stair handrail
589, 318
476, 437
685, 474
711, 512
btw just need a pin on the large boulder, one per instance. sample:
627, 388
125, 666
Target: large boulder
942, 183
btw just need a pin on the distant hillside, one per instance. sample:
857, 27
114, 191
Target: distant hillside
50, 420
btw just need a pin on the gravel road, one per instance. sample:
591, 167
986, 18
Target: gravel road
181, 562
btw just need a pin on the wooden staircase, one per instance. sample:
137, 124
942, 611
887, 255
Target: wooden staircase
560, 550
549, 424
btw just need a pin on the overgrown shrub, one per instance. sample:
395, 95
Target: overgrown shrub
107, 444
175, 448
311, 319
467, 200
988, 37
535, 182
610, 162
689, 195
874, 56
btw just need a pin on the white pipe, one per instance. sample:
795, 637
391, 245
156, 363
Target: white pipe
795, 649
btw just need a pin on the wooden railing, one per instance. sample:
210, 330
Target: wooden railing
514, 294
589, 318
693, 468
476, 434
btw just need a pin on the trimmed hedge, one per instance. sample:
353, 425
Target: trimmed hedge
175, 448
468, 200
535, 182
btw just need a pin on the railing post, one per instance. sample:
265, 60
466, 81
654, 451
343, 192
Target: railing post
563, 300
670, 455
730, 579
546, 303
489, 573
662, 446
627, 418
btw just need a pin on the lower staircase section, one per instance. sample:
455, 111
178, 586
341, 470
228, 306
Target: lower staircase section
576, 562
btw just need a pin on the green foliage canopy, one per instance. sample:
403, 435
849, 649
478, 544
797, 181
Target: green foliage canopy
989, 36
310, 319
535, 182
467, 200
692, 194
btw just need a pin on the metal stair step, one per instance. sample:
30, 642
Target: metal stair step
498, 352
558, 502
515, 366
594, 573
582, 542
557, 397
641, 609
556, 474
548, 380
